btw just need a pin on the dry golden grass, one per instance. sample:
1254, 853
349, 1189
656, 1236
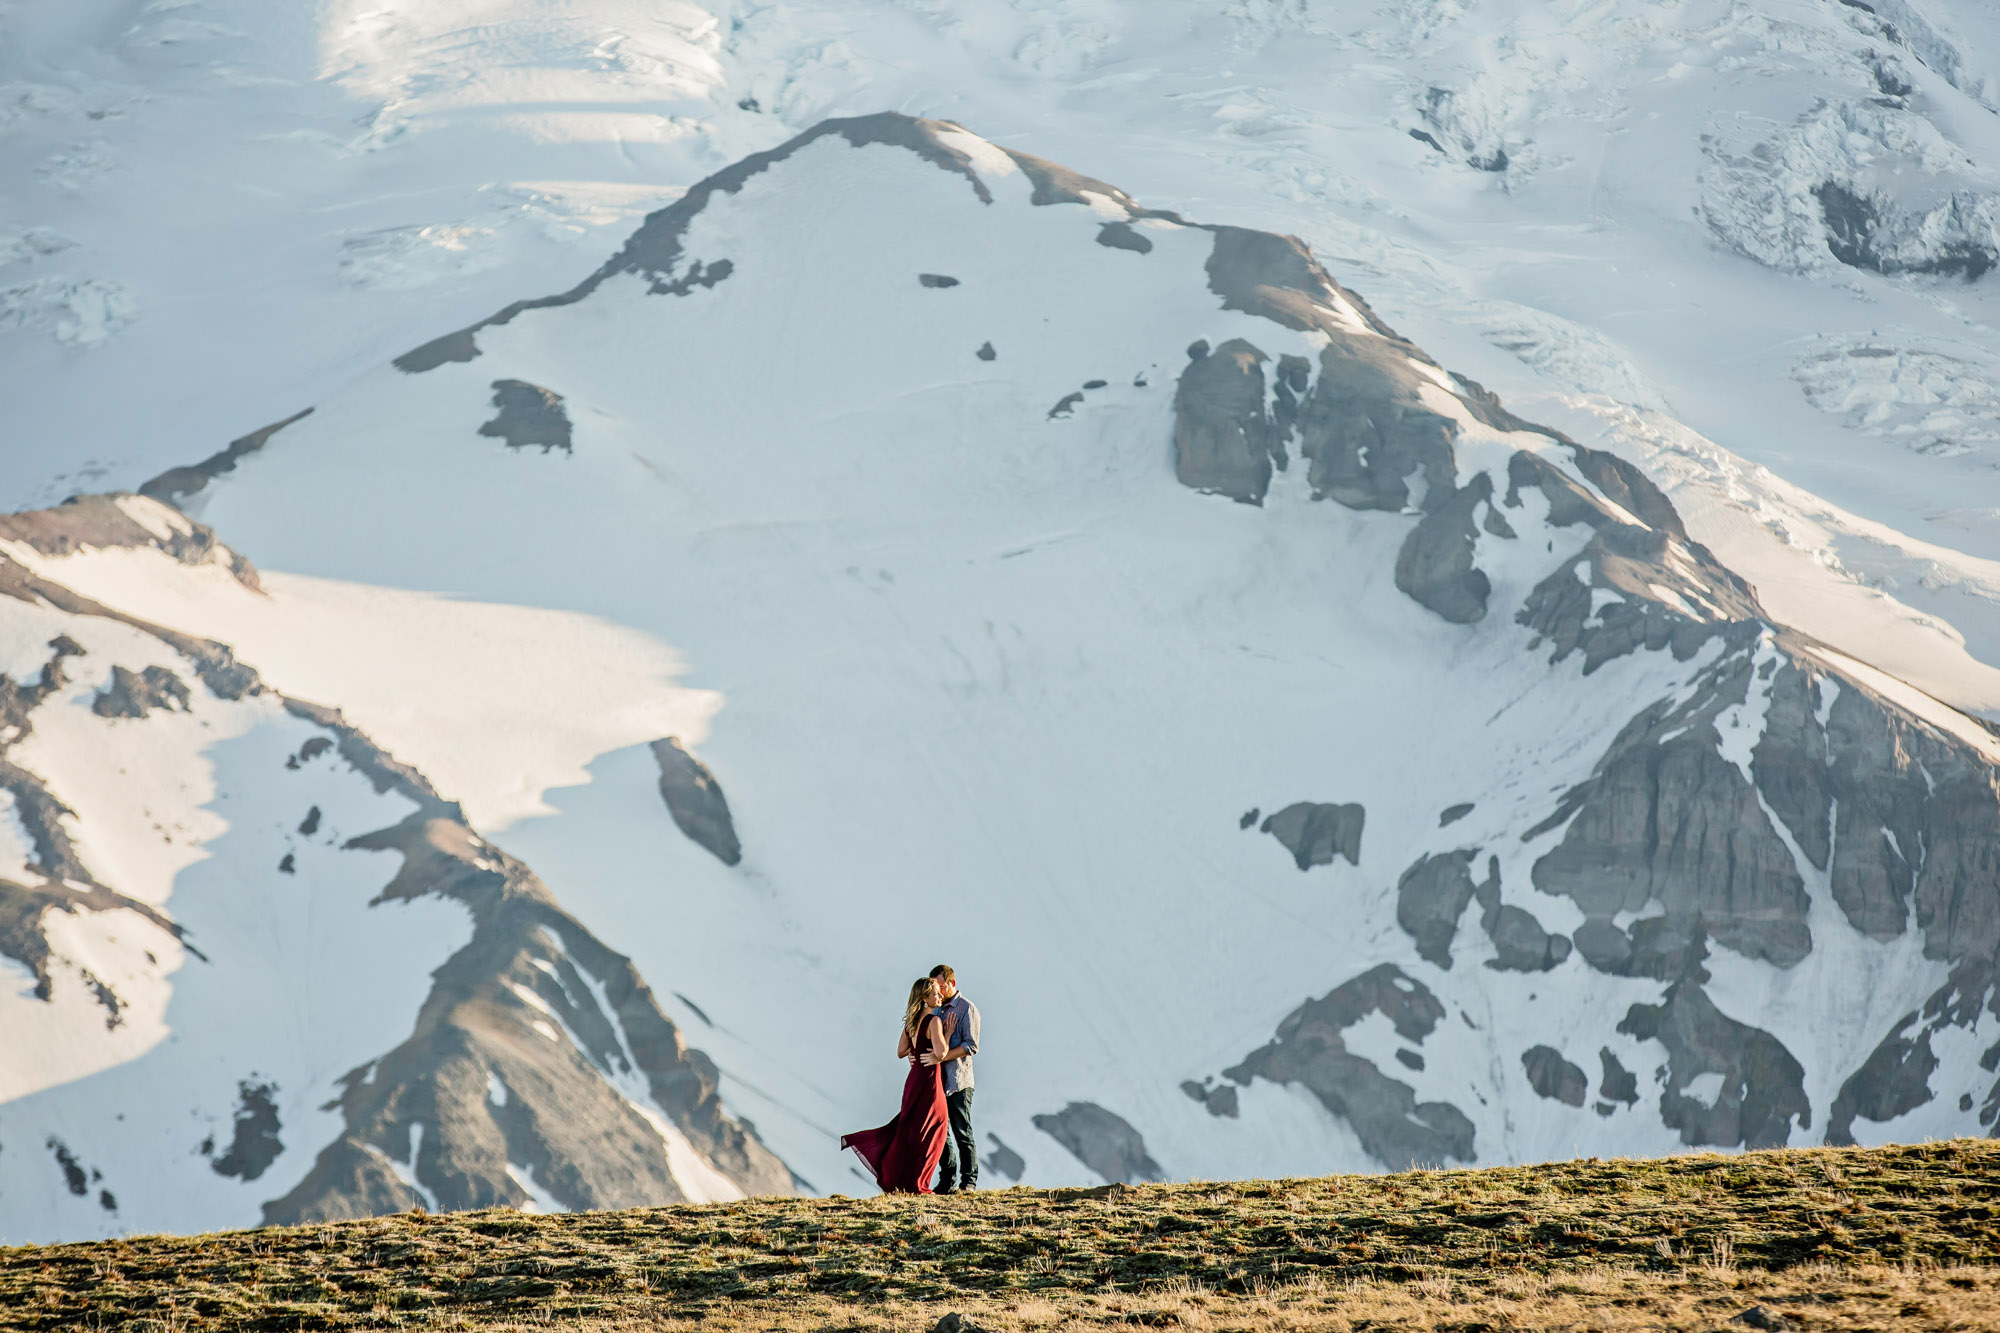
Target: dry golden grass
1810, 1239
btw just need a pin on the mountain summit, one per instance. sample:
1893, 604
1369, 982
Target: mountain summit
909, 550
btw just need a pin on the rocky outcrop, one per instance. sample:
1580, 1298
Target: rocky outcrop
536, 1005
1430, 898
1121, 236
1393, 1126
1666, 819
1315, 833
137, 693
1615, 1082
1434, 567
1102, 1141
1896, 1077
1728, 1084
694, 798
255, 1141
528, 414
1219, 1098
1224, 440
1554, 1078
62, 881
177, 484
606, 1105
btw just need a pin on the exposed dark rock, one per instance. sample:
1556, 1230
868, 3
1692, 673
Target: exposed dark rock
1867, 231
1276, 278
459, 346
1366, 432
288, 864
137, 693
1666, 948
694, 798
178, 483
1762, 1088
695, 1009
1309, 1050
567, 1119
1249, 818
1102, 1141
1665, 818
310, 824
1088, 385
1759, 1317
1789, 762
66, 883
1616, 1083
1430, 897
1522, 944
1064, 405
99, 522
1219, 1098
937, 280
528, 414
314, 747
986, 352
256, 1144
1409, 1059
1425, 136
1895, 1078
75, 1178
1003, 1160
563, 1118
1453, 813
655, 251
107, 1201
1434, 567
1121, 236
1902, 797
1314, 833
1223, 437
1553, 1077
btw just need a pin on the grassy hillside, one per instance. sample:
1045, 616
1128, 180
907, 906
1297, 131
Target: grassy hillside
1818, 1238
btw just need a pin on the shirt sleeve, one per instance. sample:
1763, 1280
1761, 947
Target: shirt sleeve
968, 1034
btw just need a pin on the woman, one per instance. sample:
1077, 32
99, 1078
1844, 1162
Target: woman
903, 1154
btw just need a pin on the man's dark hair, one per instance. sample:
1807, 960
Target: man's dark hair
943, 972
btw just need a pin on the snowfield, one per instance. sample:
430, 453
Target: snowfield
1307, 795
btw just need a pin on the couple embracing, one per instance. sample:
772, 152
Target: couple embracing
940, 1035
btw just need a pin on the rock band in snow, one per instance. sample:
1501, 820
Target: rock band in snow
931, 1136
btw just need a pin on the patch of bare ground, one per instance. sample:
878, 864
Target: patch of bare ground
1798, 1238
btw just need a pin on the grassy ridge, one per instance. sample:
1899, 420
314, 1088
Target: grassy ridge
1188, 1254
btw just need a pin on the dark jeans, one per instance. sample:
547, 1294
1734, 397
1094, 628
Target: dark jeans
959, 1167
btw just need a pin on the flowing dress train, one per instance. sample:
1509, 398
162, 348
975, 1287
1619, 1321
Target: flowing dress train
903, 1154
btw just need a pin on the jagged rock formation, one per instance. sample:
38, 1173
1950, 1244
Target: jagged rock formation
1553, 1077
1310, 1050
1502, 645
539, 1055
1314, 833
1102, 1141
528, 414
695, 800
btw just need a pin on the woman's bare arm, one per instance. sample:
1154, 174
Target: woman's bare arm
903, 1045
934, 1033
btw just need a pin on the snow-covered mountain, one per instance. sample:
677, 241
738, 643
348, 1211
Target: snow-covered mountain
905, 549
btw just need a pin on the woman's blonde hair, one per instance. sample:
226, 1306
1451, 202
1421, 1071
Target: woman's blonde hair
920, 1004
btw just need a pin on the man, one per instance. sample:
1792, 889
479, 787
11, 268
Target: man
957, 1170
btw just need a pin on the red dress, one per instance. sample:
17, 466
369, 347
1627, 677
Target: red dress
903, 1154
